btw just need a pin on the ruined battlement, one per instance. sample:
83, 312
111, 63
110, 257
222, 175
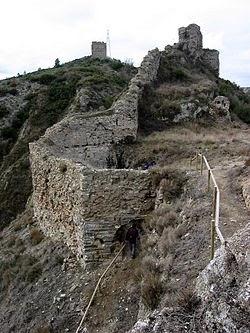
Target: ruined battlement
80, 192
190, 38
73, 183
191, 42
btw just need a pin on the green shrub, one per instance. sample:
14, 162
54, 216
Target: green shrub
151, 290
239, 101
5, 90
3, 111
36, 236
179, 74
108, 101
9, 133
45, 78
116, 64
243, 112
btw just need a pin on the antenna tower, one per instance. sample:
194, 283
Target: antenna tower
108, 45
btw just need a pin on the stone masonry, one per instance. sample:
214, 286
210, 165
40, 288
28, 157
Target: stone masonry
190, 40
77, 198
99, 50
80, 193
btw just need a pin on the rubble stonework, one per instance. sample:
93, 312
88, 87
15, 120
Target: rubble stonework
190, 40
77, 199
221, 105
99, 50
211, 59
80, 192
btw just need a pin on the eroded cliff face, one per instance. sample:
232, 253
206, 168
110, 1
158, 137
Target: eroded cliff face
224, 286
79, 196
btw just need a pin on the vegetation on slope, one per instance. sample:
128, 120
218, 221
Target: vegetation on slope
42, 107
239, 101
181, 82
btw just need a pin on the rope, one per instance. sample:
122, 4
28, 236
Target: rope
96, 288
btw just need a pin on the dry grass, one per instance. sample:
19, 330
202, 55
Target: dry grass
247, 162
173, 91
166, 264
167, 241
151, 290
187, 300
158, 252
23, 220
36, 236
150, 264
44, 329
164, 216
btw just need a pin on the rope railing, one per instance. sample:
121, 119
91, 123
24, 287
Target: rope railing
97, 286
200, 160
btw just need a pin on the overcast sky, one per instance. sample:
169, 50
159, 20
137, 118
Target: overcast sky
36, 32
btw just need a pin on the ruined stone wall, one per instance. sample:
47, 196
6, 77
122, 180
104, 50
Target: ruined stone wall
190, 38
190, 41
83, 207
89, 138
211, 59
76, 198
99, 50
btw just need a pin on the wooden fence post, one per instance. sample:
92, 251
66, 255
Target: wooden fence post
201, 165
212, 238
197, 161
213, 223
208, 179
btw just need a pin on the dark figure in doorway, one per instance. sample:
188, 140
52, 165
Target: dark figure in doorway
132, 237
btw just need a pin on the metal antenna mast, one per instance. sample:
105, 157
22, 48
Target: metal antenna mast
108, 45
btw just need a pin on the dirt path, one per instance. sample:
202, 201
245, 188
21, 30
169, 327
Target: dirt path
234, 214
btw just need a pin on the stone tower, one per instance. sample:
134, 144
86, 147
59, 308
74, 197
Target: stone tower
99, 50
190, 41
191, 38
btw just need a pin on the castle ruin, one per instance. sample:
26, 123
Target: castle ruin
78, 198
80, 194
99, 50
190, 40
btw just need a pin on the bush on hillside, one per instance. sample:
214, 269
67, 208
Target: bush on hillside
239, 101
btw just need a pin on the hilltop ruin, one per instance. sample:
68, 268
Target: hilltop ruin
81, 191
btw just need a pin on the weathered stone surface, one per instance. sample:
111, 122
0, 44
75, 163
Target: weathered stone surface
99, 50
220, 106
211, 59
190, 38
76, 198
14, 103
246, 192
224, 286
190, 41
80, 206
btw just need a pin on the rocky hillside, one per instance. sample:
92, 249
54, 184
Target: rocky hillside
31, 103
110, 149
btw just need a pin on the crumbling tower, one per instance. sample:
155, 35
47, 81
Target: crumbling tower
99, 50
190, 38
190, 41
